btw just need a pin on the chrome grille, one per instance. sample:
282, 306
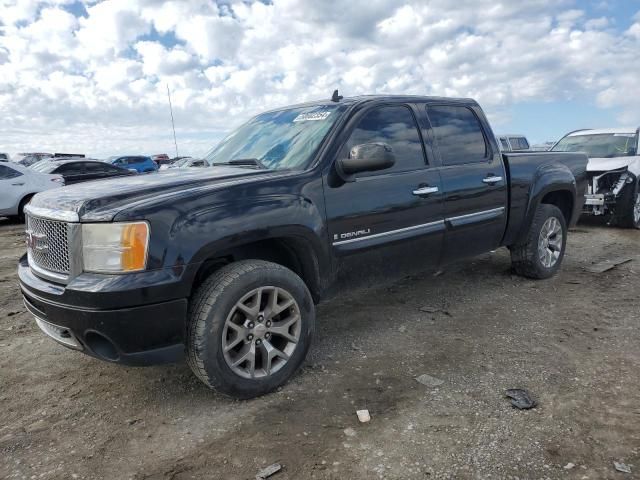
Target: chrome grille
48, 244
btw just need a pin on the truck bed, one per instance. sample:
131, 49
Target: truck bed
522, 171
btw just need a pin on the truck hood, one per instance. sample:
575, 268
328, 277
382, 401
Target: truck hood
607, 164
102, 200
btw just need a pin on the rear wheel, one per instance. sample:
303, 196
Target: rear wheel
542, 252
631, 210
250, 327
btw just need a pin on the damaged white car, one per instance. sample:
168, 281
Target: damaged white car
613, 170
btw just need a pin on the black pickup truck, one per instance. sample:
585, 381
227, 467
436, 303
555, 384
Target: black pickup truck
226, 264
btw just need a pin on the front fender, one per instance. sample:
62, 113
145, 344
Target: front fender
213, 231
634, 167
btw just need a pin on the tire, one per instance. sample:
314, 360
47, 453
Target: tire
23, 203
233, 308
531, 259
630, 217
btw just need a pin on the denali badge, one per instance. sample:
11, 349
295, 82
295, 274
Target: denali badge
37, 241
358, 233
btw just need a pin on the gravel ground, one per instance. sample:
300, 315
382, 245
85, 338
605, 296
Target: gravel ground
572, 341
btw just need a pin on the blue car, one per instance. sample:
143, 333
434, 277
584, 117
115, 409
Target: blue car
139, 163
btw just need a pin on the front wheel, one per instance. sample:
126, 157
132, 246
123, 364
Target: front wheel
542, 252
631, 210
249, 329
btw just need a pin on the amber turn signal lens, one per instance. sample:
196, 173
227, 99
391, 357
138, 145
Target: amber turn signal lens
134, 246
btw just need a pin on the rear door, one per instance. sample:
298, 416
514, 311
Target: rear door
389, 221
473, 178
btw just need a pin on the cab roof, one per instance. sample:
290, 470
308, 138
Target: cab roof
379, 98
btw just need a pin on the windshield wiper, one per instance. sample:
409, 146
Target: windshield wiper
244, 162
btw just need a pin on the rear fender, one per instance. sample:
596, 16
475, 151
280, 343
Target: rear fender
549, 178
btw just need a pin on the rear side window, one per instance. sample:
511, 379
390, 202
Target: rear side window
70, 169
504, 143
458, 134
98, 168
7, 173
394, 126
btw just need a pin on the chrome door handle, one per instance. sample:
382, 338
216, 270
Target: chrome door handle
426, 190
492, 180
17, 184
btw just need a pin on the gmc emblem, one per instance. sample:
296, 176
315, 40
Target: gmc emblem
37, 241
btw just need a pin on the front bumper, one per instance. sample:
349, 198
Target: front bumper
144, 334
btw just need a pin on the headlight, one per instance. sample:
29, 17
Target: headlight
115, 247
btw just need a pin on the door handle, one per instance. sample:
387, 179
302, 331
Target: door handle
17, 184
425, 191
491, 180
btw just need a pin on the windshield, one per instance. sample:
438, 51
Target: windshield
285, 139
44, 166
606, 145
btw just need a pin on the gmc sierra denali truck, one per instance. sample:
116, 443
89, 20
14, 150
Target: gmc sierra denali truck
225, 264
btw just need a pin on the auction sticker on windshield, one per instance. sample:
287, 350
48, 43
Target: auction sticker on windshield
312, 116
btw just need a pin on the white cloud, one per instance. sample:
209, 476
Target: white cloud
98, 82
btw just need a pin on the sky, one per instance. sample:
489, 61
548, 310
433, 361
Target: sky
91, 76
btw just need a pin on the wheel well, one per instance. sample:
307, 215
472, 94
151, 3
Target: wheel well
26, 198
290, 252
24, 201
562, 199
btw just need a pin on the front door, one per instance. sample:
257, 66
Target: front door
390, 222
474, 182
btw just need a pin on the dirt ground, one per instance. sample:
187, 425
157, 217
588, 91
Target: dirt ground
572, 341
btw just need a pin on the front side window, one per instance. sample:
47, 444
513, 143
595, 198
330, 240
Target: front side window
7, 173
458, 134
395, 127
607, 145
279, 140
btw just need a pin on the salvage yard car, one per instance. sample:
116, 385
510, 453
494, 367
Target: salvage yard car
75, 170
613, 172
227, 263
513, 143
18, 184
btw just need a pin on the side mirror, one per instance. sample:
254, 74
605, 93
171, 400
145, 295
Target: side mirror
367, 157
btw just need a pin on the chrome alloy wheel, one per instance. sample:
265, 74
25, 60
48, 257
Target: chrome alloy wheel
261, 332
550, 242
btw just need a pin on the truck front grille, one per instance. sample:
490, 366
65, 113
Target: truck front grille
48, 244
